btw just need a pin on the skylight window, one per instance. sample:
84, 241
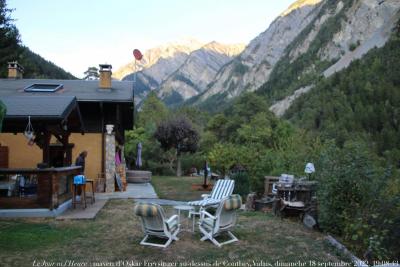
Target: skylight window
43, 87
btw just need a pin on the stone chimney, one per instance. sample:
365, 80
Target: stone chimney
105, 76
15, 70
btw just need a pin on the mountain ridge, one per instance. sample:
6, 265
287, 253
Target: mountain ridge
197, 71
347, 34
326, 34
170, 68
252, 67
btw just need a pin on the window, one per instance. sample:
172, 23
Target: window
43, 87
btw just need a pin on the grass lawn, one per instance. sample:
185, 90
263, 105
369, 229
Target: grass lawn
112, 239
178, 188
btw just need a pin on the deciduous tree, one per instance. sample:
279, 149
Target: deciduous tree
177, 133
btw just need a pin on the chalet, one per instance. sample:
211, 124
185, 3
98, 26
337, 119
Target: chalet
49, 122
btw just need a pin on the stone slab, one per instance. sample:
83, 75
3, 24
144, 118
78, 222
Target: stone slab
80, 213
133, 191
32, 213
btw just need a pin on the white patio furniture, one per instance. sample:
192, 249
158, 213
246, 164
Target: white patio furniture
211, 226
155, 223
222, 188
185, 222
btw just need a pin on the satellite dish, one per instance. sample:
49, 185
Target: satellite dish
137, 54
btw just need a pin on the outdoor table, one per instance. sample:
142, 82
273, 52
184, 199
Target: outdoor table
189, 210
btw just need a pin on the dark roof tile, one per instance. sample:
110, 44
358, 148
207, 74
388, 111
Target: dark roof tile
121, 91
38, 106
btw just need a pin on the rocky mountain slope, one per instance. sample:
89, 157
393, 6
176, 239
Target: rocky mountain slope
309, 40
342, 32
158, 64
253, 66
369, 24
198, 70
166, 52
177, 70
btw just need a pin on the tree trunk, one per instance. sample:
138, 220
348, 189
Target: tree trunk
205, 174
178, 167
171, 164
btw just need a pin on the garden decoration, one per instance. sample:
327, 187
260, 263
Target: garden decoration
29, 132
310, 169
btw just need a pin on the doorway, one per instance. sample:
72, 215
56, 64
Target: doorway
60, 157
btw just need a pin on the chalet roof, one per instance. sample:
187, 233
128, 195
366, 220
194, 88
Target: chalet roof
56, 107
84, 91
45, 112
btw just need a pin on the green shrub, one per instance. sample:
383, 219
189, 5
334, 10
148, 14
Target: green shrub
192, 160
242, 183
355, 201
353, 46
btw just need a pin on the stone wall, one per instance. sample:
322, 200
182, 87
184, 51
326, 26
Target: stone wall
110, 162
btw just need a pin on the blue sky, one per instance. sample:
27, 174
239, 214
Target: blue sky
76, 34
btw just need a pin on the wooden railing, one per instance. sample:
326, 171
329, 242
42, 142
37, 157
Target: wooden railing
53, 187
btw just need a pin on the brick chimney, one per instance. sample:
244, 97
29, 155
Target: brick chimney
15, 70
105, 76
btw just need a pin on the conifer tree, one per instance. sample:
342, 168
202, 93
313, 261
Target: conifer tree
9, 38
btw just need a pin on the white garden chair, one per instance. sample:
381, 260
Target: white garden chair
222, 189
223, 221
155, 223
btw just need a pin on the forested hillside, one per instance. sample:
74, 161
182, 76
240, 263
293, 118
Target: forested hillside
291, 73
37, 67
361, 102
34, 65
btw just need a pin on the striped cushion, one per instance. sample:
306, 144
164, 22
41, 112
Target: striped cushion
204, 202
233, 202
145, 209
222, 188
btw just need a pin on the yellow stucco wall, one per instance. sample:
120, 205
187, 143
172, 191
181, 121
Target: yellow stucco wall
92, 144
21, 155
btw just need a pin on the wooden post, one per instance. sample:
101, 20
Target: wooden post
54, 191
67, 157
46, 147
44, 188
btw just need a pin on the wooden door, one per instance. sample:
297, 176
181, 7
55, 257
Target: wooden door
3, 156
